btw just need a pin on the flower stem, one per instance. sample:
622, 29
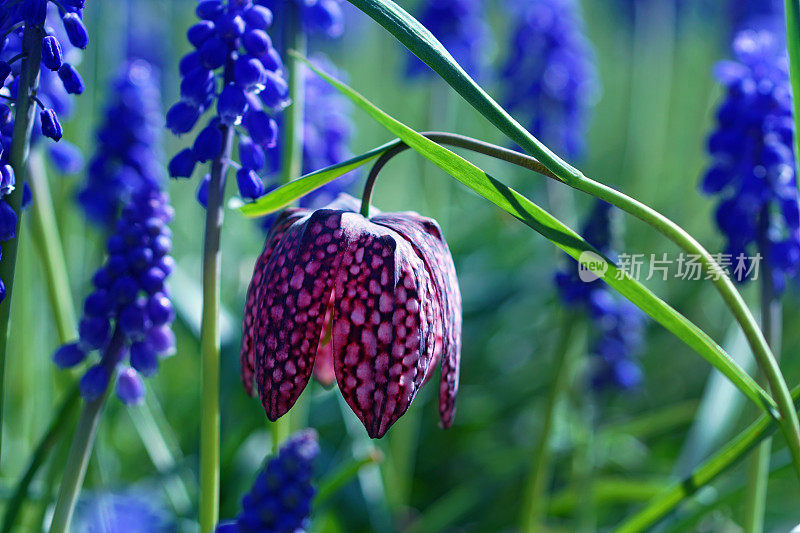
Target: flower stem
724, 459
294, 39
210, 340
771, 315
50, 438
83, 441
534, 502
788, 419
792, 8
20, 149
48, 244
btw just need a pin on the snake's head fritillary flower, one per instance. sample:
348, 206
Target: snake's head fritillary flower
385, 287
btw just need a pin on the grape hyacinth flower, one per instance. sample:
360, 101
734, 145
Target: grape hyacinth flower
319, 17
280, 499
550, 73
52, 94
235, 67
753, 161
385, 288
460, 25
129, 311
616, 323
128, 144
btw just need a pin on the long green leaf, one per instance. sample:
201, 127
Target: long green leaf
793, 45
286, 194
565, 238
425, 46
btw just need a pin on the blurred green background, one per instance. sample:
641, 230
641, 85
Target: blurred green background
612, 451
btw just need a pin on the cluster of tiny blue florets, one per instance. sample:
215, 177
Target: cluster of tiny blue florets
58, 77
319, 17
617, 324
550, 75
753, 164
235, 66
129, 311
128, 155
280, 499
461, 26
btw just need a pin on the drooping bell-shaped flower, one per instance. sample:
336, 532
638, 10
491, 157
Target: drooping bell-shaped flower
386, 290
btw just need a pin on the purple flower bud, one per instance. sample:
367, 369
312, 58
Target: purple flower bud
133, 319
202, 191
258, 17
209, 9
276, 92
198, 86
94, 383
140, 257
182, 165
189, 62
7, 180
161, 245
250, 185
76, 31
200, 33
214, 52
93, 332
256, 42
73, 5
124, 289
325, 16
162, 340
232, 104
72, 81
182, 117
251, 154
69, 355
102, 278
153, 280
144, 359
262, 128
166, 264
130, 388
51, 127
5, 70
230, 25
249, 73
51, 53
272, 60
208, 144
8, 222
98, 303
159, 308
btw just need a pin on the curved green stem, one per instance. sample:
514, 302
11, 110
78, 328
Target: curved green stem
210, 342
790, 425
736, 449
534, 502
82, 443
20, 149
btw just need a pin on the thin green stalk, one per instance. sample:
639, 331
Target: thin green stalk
48, 244
736, 449
20, 149
534, 502
792, 8
790, 425
294, 39
758, 471
210, 339
83, 441
50, 438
